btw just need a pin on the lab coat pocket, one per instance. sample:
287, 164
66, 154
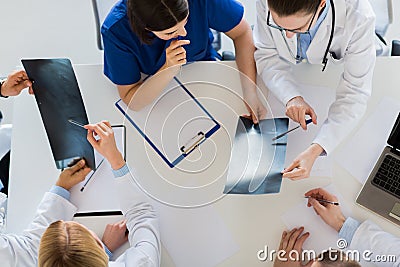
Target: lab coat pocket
335, 59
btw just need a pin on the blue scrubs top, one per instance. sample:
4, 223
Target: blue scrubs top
125, 57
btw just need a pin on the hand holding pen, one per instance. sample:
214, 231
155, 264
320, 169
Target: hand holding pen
105, 144
326, 206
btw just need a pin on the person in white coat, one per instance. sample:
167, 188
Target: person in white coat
67, 243
290, 32
22, 250
365, 236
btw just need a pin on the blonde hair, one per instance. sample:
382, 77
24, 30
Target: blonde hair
69, 244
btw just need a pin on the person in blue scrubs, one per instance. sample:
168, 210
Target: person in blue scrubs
156, 37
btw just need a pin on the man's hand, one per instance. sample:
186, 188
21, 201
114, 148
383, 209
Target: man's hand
301, 166
290, 242
297, 109
256, 109
115, 235
15, 83
330, 214
73, 175
105, 144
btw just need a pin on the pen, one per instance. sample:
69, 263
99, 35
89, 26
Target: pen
285, 133
325, 201
84, 186
76, 123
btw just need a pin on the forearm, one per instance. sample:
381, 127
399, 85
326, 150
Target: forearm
244, 50
142, 221
144, 93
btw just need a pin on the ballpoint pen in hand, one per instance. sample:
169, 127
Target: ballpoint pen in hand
285, 133
324, 201
76, 123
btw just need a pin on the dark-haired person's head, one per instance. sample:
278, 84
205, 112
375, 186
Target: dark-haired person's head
295, 16
334, 258
166, 19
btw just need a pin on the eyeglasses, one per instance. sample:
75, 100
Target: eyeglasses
298, 58
288, 30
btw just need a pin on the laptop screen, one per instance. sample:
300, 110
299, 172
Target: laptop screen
394, 137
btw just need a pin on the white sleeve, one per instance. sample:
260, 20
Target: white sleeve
276, 72
369, 237
354, 87
22, 250
142, 223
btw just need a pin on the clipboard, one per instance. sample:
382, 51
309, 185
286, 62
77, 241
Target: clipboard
174, 124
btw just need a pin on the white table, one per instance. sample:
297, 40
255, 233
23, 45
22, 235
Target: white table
253, 220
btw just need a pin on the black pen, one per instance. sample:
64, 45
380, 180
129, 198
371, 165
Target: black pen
325, 201
87, 181
285, 133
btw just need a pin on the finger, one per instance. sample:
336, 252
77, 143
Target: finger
178, 43
294, 164
287, 239
91, 139
178, 51
106, 128
284, 233
99, 130
81, 174
77, 166
300, 241
312, 114
30, 90
321, 192
302, 119
108, 124
293, 238
295, 174
318, 207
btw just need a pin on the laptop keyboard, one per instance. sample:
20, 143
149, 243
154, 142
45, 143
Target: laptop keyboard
388, 175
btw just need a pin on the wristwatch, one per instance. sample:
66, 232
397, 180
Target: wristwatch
1, 84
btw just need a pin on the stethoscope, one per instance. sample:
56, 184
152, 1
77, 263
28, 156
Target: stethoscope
325, 58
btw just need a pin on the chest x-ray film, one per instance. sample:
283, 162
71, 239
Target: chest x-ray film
257, 161
59, 99
174, 124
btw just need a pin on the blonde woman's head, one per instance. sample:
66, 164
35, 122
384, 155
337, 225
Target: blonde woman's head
66, 244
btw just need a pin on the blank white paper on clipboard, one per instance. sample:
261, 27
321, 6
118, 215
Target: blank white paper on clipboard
99, 193
174, 124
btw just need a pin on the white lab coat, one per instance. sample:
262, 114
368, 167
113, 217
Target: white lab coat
22, 250
144, 237
354, 45
369, 236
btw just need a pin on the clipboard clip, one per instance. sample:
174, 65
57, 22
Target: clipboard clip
193, 143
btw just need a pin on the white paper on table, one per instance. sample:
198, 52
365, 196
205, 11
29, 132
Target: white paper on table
101, 191
322, 236
195, 237
320, 98
359, 154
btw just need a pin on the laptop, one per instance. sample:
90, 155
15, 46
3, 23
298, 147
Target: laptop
59, 100
381, 192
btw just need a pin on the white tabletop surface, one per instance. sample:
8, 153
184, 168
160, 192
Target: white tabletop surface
254, 221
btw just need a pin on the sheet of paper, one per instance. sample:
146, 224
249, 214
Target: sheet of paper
98, 191
190, 234
359, 154
322, 236
320, 98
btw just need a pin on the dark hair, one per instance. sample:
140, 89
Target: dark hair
290, 7
336, 258
155, 15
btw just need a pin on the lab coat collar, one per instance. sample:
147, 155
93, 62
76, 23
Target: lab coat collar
320, 41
